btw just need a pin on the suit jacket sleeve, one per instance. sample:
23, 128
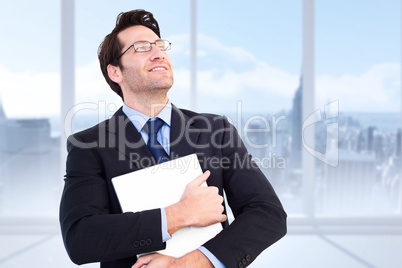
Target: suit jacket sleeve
259, 217
92, 230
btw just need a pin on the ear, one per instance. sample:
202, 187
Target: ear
114, 73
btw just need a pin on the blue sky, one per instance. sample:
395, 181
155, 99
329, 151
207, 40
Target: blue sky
248, 51
356, 34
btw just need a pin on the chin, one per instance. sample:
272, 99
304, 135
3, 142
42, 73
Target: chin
163, 87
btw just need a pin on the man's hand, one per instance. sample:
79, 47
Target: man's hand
155, 260
202, 204
194, 259
198, 206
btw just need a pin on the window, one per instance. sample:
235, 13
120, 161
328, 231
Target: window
358, 52
250, 65
29, 109
249, 68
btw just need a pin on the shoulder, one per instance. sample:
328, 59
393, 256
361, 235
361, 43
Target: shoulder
88, 137
205, 119
90, 133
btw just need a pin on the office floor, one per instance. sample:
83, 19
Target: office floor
292, 251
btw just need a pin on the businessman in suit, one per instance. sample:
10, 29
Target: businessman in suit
135, 64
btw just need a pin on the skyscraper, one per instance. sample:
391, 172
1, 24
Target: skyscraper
348, 189
296, 145
30, 166
2, 113
398, 143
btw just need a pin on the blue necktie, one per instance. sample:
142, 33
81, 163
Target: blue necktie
152, 128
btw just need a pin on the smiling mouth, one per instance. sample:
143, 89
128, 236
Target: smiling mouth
158, 69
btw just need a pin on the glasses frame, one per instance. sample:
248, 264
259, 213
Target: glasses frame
150, 45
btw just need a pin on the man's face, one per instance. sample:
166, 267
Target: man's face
146, 72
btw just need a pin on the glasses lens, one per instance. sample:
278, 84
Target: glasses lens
142, 46
162, 44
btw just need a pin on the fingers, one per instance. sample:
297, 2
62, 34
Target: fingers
143, 260
201, 179
202, 206
155, 260
223, 216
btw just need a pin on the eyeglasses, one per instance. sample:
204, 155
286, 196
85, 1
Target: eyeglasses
145, 46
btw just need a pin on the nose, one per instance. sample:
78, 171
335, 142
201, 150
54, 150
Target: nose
157, 53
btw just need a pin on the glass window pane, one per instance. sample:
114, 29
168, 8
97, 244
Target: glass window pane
30, 176
358, 65
249, 65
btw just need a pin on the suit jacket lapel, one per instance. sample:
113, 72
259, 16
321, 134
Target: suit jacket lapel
125, 138
183, 134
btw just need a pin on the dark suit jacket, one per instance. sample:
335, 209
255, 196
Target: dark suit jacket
93, 226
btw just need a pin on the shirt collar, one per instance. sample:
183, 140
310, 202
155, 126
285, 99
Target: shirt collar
139, 119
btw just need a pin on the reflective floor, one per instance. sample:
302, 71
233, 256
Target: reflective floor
292, 251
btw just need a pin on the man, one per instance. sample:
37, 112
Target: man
135, 64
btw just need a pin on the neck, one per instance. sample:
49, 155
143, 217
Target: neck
148, 106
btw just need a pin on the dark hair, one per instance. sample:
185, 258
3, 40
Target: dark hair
110, 49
